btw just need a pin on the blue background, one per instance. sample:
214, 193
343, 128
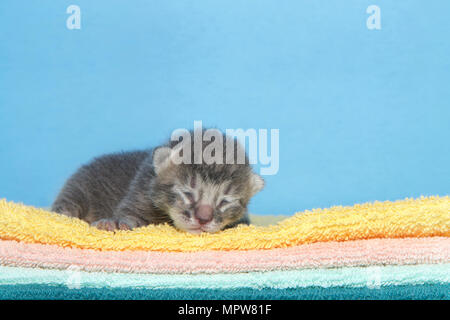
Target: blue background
363, 114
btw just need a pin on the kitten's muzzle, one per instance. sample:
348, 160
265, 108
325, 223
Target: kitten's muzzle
204, 214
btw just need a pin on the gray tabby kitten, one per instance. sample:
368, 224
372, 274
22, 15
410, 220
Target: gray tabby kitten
133, 189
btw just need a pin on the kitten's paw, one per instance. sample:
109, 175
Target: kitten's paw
105, 224
129, 222
124, 223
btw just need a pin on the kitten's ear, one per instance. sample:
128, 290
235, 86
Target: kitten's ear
161, 159
256, 183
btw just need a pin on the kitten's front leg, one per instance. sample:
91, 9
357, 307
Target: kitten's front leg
126, 216
120, 221
132, 210
107, 224
130, 222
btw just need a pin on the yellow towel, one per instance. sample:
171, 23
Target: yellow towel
423, 217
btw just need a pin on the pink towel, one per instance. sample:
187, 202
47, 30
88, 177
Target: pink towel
316, 255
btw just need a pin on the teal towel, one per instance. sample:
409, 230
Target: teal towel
403, 292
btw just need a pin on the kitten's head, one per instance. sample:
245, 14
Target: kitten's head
203, 197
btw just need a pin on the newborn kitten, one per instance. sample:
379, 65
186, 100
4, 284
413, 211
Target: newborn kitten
133, 189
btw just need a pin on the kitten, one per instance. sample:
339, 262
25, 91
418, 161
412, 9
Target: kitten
133, 189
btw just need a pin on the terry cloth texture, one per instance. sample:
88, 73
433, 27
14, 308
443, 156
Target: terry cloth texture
424, 217
384, 250
316, 255
406, 292
301, 278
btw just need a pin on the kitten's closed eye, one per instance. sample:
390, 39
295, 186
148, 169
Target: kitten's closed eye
190, 196
187, 213
223, 202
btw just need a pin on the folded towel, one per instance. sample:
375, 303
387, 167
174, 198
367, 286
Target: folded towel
315, 255
401, 292
424, 217
373, 276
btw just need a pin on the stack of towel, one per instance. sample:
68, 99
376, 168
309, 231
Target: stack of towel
385, 250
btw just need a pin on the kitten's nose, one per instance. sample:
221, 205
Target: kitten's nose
204, 213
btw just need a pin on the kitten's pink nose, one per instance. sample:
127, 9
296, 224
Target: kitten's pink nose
204, 214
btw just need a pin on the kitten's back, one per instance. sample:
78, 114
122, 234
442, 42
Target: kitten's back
99, 185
